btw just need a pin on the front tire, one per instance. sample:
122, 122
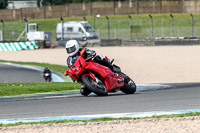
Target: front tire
95, 86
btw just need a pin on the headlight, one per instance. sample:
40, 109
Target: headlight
76, 70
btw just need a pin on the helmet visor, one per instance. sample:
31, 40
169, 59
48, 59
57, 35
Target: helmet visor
71, 49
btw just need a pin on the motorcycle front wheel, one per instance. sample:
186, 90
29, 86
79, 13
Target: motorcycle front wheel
96, 86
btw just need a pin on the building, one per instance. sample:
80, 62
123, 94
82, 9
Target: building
17, 4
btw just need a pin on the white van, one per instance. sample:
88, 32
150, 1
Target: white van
78, 30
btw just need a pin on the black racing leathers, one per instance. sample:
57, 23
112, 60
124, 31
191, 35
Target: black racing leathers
87, 54
72, 59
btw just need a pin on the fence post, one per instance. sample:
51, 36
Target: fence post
21, 14
62, 22
172, 24
26, 27
137, 7
96, 16
84, 18
44, 12
2, 36
108, 22
131, 26
192, 24
151, 25
85, 27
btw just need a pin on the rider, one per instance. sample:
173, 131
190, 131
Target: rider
47, 70
73, 50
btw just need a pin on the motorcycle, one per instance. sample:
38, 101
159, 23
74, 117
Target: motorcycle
47, 77
99, 79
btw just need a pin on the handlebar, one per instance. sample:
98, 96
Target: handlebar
88, 58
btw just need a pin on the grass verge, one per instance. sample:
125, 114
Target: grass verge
9, 89
102, 119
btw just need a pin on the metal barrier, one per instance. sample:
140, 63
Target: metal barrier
16, 46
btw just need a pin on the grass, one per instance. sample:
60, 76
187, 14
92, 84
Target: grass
120, 26
54, 67
102, 119
9, 89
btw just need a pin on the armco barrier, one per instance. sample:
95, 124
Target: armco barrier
15, 46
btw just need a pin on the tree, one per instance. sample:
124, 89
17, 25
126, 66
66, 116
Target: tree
3, 4
63, 2
53, 2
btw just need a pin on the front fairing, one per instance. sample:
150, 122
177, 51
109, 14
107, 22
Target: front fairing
77, 68
107, 76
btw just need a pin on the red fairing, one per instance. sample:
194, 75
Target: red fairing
110, 79
107, 76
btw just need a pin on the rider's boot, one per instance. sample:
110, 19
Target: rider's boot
84, 91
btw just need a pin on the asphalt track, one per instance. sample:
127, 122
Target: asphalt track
10, 74
177, 97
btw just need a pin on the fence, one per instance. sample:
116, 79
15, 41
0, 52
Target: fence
102, 8
163, 26
12, 31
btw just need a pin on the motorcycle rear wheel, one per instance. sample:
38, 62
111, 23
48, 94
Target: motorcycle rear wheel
129, 85
95, 86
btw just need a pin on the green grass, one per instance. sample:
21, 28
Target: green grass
54, 67
102, 119
9, 89
120, 27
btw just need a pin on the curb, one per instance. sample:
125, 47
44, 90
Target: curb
89, 117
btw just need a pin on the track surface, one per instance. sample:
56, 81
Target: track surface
182, 96
179, 97
9, 74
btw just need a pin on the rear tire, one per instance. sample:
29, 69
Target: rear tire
129, 85
97, 87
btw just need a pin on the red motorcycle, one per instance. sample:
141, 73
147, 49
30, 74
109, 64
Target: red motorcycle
99, 79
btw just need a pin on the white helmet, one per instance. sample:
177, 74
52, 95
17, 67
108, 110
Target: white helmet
72, 47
